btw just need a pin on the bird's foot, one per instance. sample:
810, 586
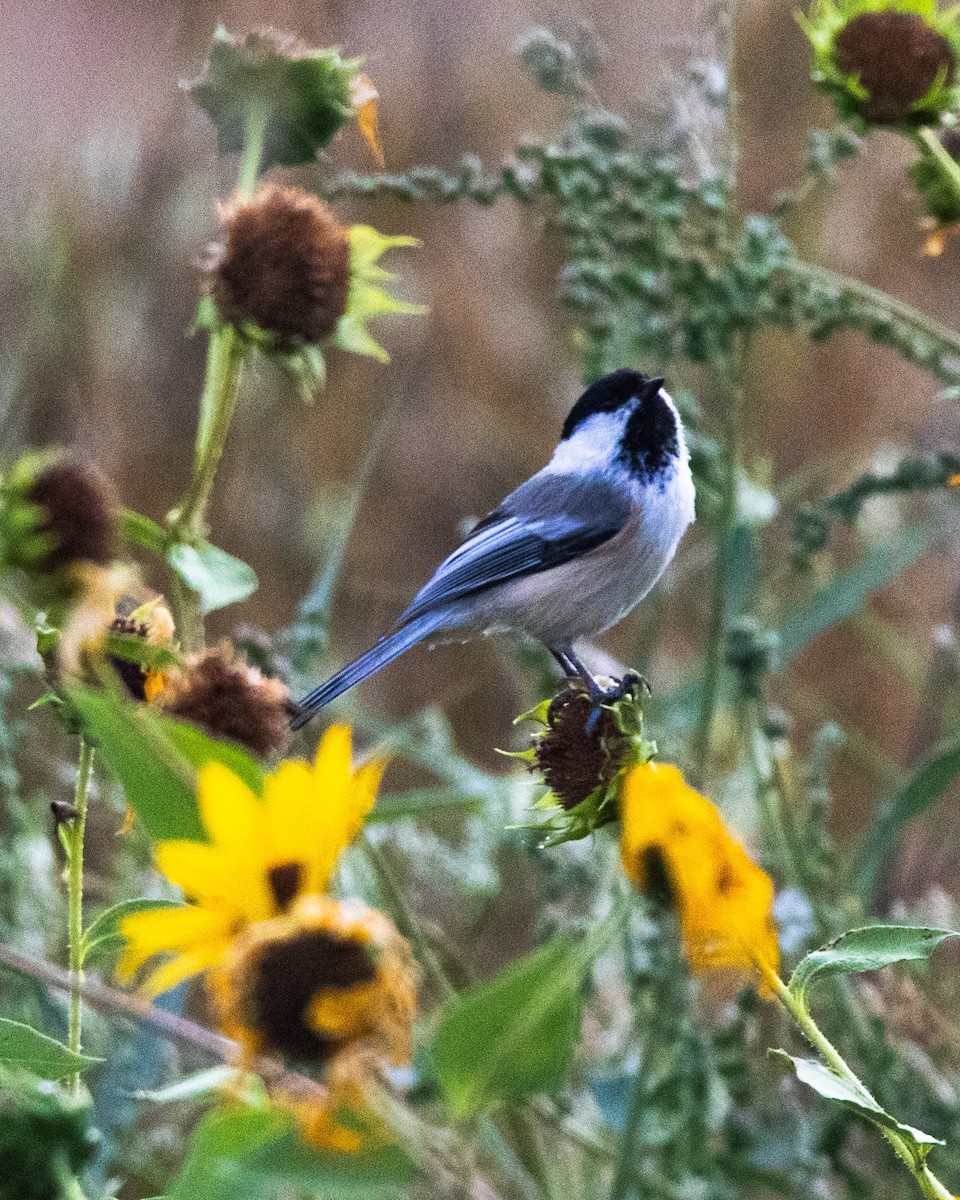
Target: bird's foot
602, 697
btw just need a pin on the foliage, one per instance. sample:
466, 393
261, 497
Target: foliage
576, 1054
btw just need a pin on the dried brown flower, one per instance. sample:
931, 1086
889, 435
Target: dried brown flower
573, 758
284, 265
79, 512
229, 699
897, 58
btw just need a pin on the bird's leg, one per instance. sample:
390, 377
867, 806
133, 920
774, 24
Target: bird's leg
566, 664
596, 690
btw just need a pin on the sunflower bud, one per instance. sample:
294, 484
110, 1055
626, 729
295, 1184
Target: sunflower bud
284, 266
327, 976
229, 699
889, 64
57, 517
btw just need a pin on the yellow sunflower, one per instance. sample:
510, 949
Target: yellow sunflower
675, 841
261, 854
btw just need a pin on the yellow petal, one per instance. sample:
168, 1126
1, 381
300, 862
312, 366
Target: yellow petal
155, 930
291, 813
346, 800
236, 822
363, 96
203, 872
182, 966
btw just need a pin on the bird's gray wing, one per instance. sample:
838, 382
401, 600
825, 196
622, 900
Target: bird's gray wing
546, 522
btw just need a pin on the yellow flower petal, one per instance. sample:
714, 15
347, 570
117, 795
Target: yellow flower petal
235, 820
723, 899
201, 871
183, 966
155, 930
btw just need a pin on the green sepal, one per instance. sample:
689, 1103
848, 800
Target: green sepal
302, 94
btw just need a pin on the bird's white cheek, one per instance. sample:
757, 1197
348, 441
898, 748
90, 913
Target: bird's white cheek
591, 448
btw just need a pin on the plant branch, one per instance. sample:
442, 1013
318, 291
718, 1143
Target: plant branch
73, 835
929, 1184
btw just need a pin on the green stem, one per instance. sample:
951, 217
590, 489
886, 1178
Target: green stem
252, 156
950, 167
929, 1184
717, 627
73, 842
838, 282
219, 400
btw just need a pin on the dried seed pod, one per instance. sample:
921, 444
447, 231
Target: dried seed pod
582, 748
284, 265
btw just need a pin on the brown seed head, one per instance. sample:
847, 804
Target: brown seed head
897, 58
284, 265
229, 699
79, 511
573, 760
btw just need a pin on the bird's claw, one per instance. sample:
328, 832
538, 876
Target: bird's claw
603, 697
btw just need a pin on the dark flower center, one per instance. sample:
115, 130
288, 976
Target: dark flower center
288, 974
573, 759
284, 880
897, 58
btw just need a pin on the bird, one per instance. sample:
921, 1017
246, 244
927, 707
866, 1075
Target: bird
568, 553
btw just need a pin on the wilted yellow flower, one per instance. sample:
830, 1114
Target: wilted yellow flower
261, 855
674, 839
326, 975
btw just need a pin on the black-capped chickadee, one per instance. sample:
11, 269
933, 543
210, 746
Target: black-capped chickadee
571, 551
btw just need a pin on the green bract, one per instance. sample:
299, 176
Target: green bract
301, 95
366, 299
890, 63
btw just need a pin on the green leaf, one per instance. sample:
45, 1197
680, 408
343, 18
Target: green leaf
135, 527
925, 786
867, 949
159, 781
252, 1153
217, 577
303, 94
103, 934
847, 591
157, 759
199, 748
25, 1047
832, 1086
513, 1035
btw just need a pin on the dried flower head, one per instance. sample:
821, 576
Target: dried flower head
302, 95
227, 698
315, 981
885, 62
57, 519
284, 265
580, 750
292, 280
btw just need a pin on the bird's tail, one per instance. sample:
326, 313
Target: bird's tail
385, 651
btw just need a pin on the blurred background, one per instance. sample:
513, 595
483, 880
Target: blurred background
108, 188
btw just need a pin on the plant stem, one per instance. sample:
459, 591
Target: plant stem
250, 160
219, 400
717, 627
929, 1184
73, 842
836, 281
950, 167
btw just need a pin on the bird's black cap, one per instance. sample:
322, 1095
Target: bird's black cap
610, 394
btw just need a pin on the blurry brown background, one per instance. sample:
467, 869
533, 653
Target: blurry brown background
108, 179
